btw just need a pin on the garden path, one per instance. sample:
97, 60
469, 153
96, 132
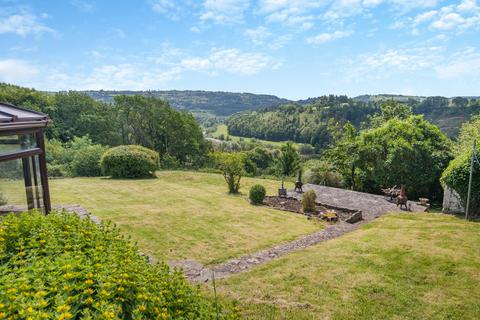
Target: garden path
372, 207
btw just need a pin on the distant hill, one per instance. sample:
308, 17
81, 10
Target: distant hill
217, 102
209, 107
308, 120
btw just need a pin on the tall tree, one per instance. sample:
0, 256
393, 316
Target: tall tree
288, 159
344, 153
413, 152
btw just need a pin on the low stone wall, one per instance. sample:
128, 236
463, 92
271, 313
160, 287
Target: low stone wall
75, 208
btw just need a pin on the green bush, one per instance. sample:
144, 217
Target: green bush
257, 194
62, 267
57, 170
308, 201
323, 173
130, 161
456, 176
169, 162
3, 199
86, 162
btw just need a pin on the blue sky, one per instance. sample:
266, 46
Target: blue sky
294, 49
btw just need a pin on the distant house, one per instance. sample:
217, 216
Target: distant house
451, 201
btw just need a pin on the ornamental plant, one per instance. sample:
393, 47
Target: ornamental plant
62, 267
308, 201
257, 194
130, 161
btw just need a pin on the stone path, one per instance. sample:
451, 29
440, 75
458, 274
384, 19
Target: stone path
372, 207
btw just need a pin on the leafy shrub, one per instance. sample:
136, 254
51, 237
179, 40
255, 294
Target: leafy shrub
232, 166
308, 201
79, 157
3, 199
57, 170
130, 161
323, 173
257, 194
62, 267
169, 162
457, 175
86, 162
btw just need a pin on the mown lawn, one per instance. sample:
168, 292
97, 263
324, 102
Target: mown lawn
180, 215
401, 266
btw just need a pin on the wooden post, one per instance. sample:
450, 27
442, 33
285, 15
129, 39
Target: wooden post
467, 207
42, 163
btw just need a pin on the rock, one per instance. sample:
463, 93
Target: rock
354, 218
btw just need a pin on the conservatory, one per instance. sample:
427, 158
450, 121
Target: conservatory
23, 169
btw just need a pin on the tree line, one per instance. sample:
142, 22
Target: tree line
145, 121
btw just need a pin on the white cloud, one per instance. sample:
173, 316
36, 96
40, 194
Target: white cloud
326, 37
462, 64
425, 16
293, 13
23, 24
82, 5
258, 35
467, 5
224, 11
195, 29
407, 60
16, 71
170, 8
233, 61
457, 18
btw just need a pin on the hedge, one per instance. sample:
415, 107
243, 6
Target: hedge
130, 161
62, 267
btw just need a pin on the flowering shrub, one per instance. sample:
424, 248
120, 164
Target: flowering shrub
62, 267
130, 161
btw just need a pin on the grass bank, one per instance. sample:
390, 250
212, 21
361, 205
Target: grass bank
400, 266
181, 214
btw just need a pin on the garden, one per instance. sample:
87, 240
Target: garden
166, 196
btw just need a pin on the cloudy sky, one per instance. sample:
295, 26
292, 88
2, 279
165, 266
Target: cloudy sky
291, 48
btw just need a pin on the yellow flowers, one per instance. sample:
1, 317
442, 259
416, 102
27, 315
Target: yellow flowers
66, 315
68, 275
108, 315
42, 293
88, 291
94, 283
63, 308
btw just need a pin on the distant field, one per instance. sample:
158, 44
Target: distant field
223, 129
400, 266
181, 214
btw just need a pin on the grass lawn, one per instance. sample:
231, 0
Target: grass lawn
223, 129
181, 214
401, 266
